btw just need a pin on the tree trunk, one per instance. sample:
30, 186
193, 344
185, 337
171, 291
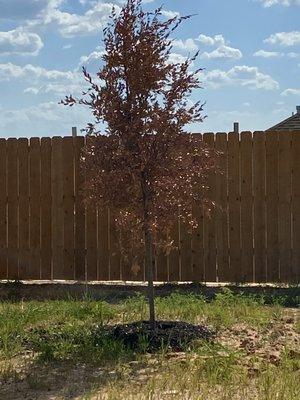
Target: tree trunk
149, 271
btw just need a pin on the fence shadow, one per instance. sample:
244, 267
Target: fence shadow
286, 295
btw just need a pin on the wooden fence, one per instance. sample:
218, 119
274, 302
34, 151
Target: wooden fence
253, 235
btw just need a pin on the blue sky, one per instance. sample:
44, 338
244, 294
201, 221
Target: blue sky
250, 50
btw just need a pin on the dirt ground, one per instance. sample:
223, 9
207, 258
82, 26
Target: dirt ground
28, 380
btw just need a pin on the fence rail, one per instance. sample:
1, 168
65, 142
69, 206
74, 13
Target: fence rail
253, 235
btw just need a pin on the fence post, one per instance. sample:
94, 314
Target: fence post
236, 127
74, 131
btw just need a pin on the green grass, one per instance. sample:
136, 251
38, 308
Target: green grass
43, 341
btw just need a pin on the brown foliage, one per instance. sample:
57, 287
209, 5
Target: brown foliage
146, 167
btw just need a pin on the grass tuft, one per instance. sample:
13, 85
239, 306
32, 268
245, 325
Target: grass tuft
62, 348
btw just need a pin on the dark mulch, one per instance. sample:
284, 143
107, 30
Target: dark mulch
172, 335
137, 336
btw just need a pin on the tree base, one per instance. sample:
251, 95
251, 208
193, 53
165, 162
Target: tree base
170, 335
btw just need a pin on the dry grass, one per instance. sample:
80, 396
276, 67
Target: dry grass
48, 350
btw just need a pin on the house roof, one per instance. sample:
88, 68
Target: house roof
291, 123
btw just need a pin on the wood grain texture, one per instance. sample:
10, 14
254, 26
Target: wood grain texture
209, 237
3, 211
295, 276
247, 271
46, 208
272, 206
45, 231
284, 205
173, 259
259, 184
103, 246
80, 231
91, 243
12, 210
57, 231
35, 207
222, 207
24, 251
114, 251
68, 208
234, 208
185, 251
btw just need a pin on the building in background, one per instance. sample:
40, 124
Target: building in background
290, 124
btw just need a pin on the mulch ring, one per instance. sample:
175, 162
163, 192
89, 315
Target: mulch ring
170, 335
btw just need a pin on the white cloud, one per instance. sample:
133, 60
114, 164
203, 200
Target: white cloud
170, 14
292, 54
17, 41
71, 25
217, 40
61, 89
38, 13
175, 58
223, 52
26, 9
95, 55
221, 120
267, 54
187, 45
284, 38
49, 118
240, 75
287, 3
32, 90
289, 92
11, 71
42, 80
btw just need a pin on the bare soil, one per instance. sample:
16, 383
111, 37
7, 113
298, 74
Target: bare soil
28, 380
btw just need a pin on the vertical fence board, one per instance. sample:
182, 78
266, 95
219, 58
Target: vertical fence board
91, 243
57, 207
103, 244
115, 255
68, 207
209, 238
198, 270
34, 206
234, 210
80, 263
222, 207
296, 207
3, 211
259, 168
91, 235
46, 253
12, 210
174, 272
246, 208
23, 156
284, 220
162, 266
272, 206
185, 252
130, 267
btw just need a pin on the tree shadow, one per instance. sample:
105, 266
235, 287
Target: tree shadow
41, 377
